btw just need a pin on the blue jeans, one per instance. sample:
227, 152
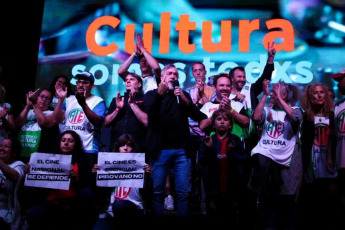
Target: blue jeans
177, 159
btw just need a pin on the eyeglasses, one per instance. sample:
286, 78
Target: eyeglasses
83, 82
44, 98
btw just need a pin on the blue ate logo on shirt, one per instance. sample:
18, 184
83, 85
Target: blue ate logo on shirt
76, 116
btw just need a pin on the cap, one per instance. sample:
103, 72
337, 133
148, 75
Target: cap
85, 74
338, 76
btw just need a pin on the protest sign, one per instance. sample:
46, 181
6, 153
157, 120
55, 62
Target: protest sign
120, 169
49, 171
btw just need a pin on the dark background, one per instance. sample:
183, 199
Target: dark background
20, 26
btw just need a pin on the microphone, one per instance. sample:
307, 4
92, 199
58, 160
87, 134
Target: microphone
176, 83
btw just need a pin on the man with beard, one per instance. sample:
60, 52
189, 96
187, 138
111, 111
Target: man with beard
84, 114
168, 108
223, 84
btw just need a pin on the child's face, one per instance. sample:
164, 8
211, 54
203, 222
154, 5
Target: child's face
222, 123
126, 148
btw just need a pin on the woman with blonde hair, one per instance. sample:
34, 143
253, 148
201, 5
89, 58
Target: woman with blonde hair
319, 193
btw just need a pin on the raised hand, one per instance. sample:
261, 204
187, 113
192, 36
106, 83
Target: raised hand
120, 101
163, 86
265, 84
81, 98
225, 103
271, 51
31, 97
140, 43
136, 50
61, 91
132, 94
200, 85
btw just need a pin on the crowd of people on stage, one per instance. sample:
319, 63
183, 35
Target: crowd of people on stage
255, 155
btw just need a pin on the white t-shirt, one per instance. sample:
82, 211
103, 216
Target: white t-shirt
278, 141
208, 108
123, 193
149, 83
9, 204
76, 120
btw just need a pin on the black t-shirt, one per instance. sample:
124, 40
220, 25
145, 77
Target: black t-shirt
168, 126
127, 123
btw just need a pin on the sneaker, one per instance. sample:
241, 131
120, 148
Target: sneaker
169, 203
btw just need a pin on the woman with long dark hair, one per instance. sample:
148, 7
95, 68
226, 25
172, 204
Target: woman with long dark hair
132, 204
73, 208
